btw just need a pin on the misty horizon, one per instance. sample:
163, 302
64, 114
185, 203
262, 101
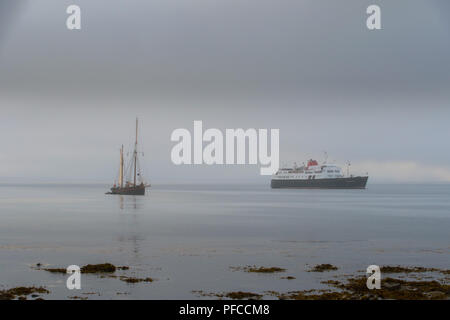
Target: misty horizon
312, 70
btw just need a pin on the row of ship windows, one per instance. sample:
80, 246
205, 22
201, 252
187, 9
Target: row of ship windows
309, 177
328, 171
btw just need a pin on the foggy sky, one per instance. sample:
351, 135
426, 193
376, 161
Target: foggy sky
68, 99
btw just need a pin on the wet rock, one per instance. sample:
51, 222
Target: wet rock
55, 270
20, 292
123, 268
135, 280
256, 269
436, 295
98, 268
323, 267
239, 295
391, 285
400, 269
78, 298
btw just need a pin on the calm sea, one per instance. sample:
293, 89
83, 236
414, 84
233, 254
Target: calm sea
187, 237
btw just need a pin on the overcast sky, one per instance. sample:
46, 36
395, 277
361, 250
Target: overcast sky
68, 99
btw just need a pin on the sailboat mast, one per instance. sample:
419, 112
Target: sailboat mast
135, 152
121, 168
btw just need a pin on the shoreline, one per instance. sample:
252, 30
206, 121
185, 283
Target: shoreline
398, 283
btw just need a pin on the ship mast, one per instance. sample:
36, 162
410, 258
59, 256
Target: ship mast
121, 168
135, 152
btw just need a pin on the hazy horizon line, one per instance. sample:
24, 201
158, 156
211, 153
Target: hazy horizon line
54, 183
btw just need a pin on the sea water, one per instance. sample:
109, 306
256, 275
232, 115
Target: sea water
189, 237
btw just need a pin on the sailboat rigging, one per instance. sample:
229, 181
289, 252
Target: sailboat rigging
130, 188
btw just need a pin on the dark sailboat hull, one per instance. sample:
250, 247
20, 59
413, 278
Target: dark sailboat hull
134, 191
335, 183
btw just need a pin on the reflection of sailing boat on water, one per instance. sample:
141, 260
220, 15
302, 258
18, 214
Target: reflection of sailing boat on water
130, 235
123, 204
136, 185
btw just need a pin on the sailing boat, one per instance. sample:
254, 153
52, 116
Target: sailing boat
130, 187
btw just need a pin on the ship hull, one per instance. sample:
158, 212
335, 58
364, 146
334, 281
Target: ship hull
134, 191
335, 183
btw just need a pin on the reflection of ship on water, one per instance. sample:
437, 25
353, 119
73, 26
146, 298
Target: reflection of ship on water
131, 203
134, 240
130, 236
134, 185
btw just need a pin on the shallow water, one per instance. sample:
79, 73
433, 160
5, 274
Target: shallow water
188, 236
